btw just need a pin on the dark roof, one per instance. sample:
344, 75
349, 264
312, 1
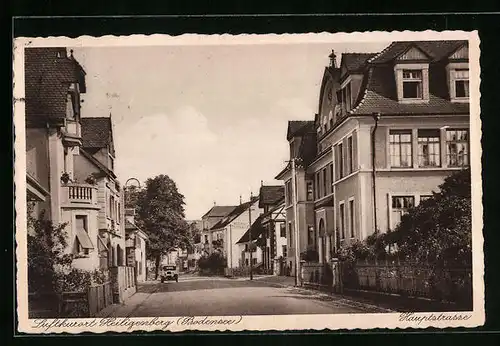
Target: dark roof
378, 92
379, 95
308, 147
237, 211
298, 128
48, 74
96, 132
355, 62
97, 163
436, 50
219, 211
257, 229
271, 195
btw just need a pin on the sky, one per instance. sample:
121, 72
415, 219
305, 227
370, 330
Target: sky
211, 117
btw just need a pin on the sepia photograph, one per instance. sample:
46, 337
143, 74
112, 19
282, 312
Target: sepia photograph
252, 182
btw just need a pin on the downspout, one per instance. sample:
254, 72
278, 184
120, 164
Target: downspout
376, 117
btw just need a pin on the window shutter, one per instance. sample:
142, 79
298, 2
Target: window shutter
355, 150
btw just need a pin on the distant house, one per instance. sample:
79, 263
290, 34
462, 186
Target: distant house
135, 242
208, 220
272, 200
227, 232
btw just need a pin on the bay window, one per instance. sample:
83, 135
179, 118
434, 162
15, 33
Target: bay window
457, 146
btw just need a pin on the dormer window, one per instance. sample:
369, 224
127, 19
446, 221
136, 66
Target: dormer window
461, 78
412, 84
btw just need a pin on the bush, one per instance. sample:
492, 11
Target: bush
213, 263
49, 267
310, 256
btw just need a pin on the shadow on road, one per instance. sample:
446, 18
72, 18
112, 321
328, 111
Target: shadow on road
195, 285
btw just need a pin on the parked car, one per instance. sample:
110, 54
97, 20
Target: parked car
169, 273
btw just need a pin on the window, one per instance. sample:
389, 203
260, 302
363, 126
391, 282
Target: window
412, 84
351, 217
461, 83
342, 221
424, 198
340, 160
428, 148
331, 177
310, 191
457, 147
83, 244
288, 186
400, 206
291, 232
324, 182
70, 105
318, 186
254, 261
310, 235
346, 97
400, 148
282, 230
283, 248
350, 155
206, 239
246, 261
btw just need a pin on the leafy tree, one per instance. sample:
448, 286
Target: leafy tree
439, 229
46, 253
160, 212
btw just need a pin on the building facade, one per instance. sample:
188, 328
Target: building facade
96, 162
210, 219
54, 83
273, 243
226, 233
135, 242
390, 127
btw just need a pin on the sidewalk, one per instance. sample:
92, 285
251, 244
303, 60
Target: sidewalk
127, 307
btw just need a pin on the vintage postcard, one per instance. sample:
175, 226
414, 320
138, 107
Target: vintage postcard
251, 182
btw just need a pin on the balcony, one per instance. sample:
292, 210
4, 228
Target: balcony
79, 195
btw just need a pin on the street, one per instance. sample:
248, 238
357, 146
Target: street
209, 296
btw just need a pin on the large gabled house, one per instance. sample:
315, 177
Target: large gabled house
391, 125
54, 83
228, 231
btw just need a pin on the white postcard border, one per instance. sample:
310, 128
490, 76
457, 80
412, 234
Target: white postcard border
257, 323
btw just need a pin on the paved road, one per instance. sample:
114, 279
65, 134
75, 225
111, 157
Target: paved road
197, 296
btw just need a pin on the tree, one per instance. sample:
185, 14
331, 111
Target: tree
160, 212
439, 229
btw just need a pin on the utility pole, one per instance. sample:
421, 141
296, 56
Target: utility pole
296, 222
250, 248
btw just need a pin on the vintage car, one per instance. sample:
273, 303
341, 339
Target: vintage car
169, 273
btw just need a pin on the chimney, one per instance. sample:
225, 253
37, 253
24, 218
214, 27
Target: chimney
262, 183
240, 200
214, 204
